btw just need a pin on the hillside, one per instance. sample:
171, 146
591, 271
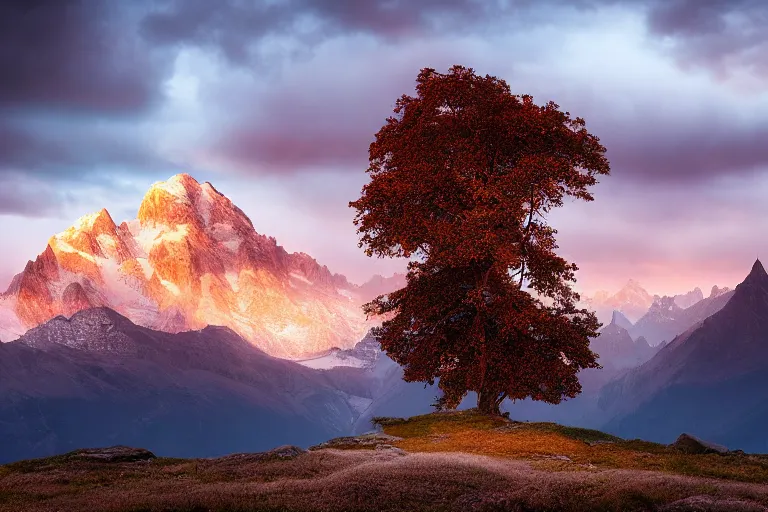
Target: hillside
438, 462
97, 378
709, 379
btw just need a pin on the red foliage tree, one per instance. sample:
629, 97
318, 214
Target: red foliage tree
461, 180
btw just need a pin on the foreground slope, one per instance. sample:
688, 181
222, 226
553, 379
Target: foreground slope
711, 380
98, 379
191, 258
439, 462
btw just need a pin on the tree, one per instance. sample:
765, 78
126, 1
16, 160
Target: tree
461, 180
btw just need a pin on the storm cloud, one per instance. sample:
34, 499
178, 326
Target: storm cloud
264, 96
73, 55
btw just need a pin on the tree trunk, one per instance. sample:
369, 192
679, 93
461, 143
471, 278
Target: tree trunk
487, 402
479, 327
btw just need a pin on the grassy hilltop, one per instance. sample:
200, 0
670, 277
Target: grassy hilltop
459, 461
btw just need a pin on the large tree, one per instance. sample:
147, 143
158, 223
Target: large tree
461, 180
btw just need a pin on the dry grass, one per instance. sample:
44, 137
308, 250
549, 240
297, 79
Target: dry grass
470, 432
455, 462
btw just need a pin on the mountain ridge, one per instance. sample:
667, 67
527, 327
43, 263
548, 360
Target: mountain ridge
701, 374
191, 258
154, 388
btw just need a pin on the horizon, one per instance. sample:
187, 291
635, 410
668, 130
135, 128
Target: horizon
277, 106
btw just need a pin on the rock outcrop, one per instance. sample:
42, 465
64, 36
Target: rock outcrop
687, 443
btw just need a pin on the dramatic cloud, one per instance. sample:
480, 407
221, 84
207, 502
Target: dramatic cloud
77, 85
72, 54
19, 195
55, 150
658, 123
723, 35
325, 112
277, 101
665, 143
235, 27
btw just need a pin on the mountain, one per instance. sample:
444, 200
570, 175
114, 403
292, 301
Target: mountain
380, 285
619, 319
617, 349
98, 379
665, 319
191, 258
686, 300
632, 300
709, 381
10, 325
363, 355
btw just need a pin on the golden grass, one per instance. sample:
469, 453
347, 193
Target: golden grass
471, 432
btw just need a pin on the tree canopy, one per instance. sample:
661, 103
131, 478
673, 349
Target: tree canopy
461, 180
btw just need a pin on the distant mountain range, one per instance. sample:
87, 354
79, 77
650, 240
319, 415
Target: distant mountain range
686, 300
710, 380
617, 349
192, 259
115, 345
655, 318
98, 379
632, 300
619, 319
665, 319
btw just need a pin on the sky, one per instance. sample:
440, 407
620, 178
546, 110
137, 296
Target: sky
275, 102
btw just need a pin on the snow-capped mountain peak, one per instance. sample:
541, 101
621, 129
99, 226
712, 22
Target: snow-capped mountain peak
191, 258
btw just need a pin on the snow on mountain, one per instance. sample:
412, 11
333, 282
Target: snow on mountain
364, 355
686, 300
191, 258
632, 300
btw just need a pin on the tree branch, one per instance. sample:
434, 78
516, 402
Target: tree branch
526, 238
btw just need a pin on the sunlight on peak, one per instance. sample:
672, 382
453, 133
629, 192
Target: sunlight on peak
86, 221
175, 185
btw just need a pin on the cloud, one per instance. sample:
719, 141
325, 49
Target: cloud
28, 198
665, 142
719, 34
320, 112
671, 239
77, 86
236, 27
658, 123
53, 146
73, 54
